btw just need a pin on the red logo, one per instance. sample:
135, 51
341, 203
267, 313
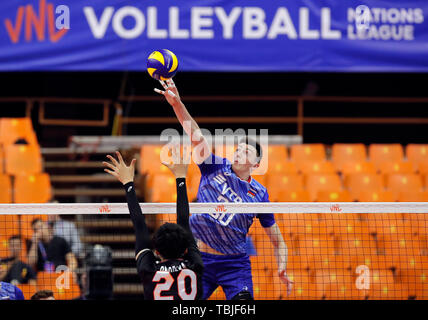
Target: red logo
105, 209
27, 16
335, 208
220, 208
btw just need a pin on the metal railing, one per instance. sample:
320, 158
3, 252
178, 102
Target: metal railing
300, 119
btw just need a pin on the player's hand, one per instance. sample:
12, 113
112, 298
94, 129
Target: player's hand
286, 280
180, 161
120, 170
171, 93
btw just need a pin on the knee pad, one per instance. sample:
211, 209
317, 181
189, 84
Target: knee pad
243, 295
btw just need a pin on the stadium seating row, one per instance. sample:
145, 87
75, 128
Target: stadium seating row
312, 158
64, 287
32, 188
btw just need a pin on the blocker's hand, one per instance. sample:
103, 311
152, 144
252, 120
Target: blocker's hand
171, 93
286, 280
120, 170
181, 161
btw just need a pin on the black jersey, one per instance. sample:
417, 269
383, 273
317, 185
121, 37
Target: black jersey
178, 279
172, 279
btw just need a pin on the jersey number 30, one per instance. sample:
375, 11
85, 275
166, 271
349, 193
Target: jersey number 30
169, 280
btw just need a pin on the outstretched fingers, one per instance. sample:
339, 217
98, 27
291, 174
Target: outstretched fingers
119, 156
113, 173
113, 160
109, 165
159, 91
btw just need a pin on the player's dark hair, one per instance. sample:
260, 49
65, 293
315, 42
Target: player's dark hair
42, 294
15, 237
256, 145
171, 240
34, 222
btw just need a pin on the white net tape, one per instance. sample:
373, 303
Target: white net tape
170, 208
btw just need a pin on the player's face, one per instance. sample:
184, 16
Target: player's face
42, 228
15, 247
245, 156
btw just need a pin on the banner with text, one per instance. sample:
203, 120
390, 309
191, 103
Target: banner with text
214, 35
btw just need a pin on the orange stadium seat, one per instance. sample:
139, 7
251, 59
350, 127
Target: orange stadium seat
263, 288
284, 182
404, 182
334, 196
415, 283
291, 196
417, 154
34, 188
359, 182
301, 153
260, 179
23, 159
193, 187
193, 170
398, 245
375, 196
387, 223
275, 160
277, 153
343, 153
331, 261
12, 129
380, 153
423, 168
335, 284
163, 190
322, 182
383, 286
413, 196
1, 159
9, 225
396, 167
355, 245
6, 189
285, 167
372, 261
304, 287
300, 224
358, 167
67, 289
150, 159
28, 290
345, 224
317, 167
314, 246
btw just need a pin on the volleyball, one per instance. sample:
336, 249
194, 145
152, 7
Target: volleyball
162, 64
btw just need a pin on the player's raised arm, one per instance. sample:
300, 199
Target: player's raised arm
189, 124
125, 174
179, 169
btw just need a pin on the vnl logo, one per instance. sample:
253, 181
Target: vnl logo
47, 21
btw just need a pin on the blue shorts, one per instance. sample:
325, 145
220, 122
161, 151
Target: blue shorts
231, 272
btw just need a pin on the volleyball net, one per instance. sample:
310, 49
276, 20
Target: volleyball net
352, 251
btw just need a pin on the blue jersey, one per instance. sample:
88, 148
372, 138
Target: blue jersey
10, 292
226, 232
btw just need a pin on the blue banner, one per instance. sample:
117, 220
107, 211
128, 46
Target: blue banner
215, 35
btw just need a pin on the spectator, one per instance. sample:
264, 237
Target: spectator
43, 295
10, 292
47, 251
67, 230
13, 270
